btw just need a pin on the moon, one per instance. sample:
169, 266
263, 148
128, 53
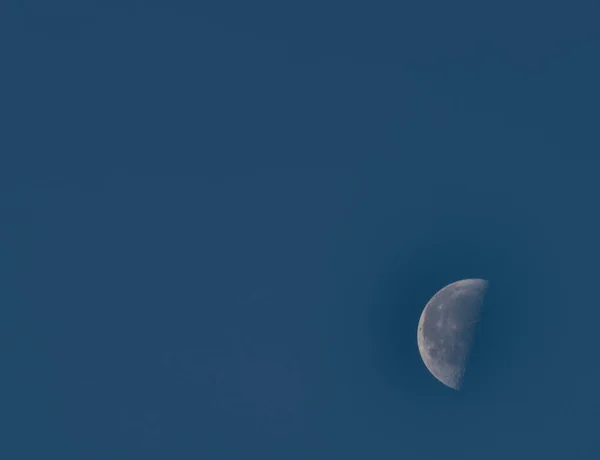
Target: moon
447, 328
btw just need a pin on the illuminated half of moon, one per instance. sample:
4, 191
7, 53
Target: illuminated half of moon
447, 328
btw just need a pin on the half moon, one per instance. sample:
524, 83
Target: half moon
447, 328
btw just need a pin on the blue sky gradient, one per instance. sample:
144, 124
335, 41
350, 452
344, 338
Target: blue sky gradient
220, 222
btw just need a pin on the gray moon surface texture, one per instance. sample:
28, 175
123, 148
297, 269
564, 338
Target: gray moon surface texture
447, 327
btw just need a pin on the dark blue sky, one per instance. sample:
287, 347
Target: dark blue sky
220, 222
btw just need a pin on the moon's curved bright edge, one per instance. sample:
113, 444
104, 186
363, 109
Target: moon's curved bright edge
446, 329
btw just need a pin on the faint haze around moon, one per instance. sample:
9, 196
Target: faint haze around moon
447, 328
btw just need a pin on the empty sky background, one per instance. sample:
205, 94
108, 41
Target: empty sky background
220, 221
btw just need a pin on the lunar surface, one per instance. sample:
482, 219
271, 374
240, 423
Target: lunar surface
447, 328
